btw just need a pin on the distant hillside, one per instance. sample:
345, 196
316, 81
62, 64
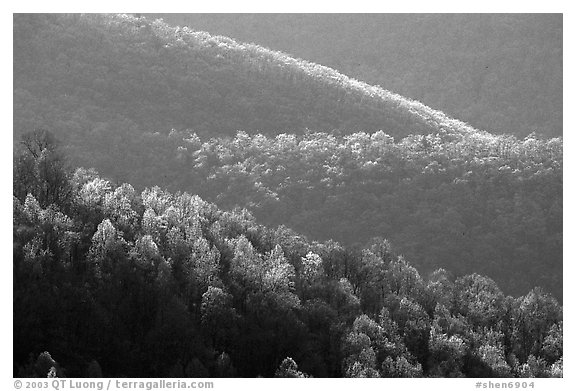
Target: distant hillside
498, 72
85, 74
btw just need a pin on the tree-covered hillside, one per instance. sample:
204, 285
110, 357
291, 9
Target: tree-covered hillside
330, 157
261, 215
469, 202
98, 76
113, 282
498, 72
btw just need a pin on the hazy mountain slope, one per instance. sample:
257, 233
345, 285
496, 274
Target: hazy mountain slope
156, 76
104, 83
140, 101
113, 280
498, 72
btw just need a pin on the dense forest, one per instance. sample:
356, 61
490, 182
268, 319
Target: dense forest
189, 205
150, 104
498, 72
469, 203
112, 282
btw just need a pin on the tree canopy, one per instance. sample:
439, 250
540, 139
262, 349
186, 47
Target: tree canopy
118, 283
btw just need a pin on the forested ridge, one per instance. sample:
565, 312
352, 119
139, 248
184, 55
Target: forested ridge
497, 72
469, 203
115, 76
188, 205
112, 282
150, 104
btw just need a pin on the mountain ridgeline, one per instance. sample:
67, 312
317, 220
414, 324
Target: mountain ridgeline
243, 212
333, 158
497, 72
119, 73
